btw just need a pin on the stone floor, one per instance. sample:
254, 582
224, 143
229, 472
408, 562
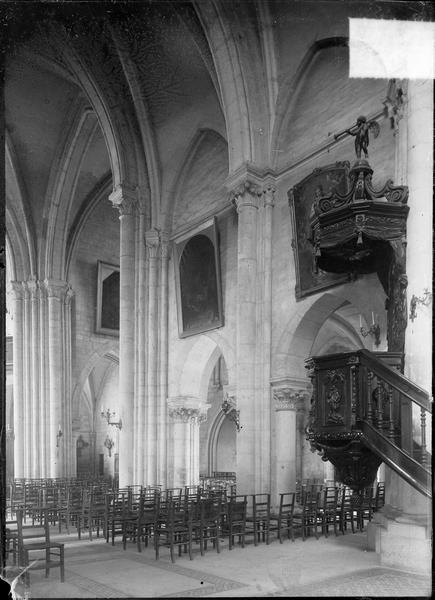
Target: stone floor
336, 566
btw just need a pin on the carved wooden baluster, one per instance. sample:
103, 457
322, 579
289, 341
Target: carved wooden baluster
391, 432
380, 403
369, 397
423, 436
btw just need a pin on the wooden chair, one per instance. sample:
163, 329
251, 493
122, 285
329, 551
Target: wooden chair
173, 495
283, 521
209, 526
364, 507
35, 548
234, 521
306, 517
328, 510
140, 528
192, 493
258, 521
11, 540
347, 512
118, 510
173, 528
93, 514
379, 497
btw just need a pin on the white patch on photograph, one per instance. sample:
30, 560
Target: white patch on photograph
391, 49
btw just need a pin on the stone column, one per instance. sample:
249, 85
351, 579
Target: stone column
141, 351
18, 351
26, 375
33, 287
246, 197
152, 241
125, 199
265, 333
418, 339
44, 394
163, 357
401, 531
57, 292
186, 414
288, 399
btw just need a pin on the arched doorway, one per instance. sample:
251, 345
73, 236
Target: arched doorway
218, 443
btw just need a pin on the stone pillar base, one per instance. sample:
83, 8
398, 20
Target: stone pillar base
401, 542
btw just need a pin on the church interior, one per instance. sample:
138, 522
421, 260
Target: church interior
218, 300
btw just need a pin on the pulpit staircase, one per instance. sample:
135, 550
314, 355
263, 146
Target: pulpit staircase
365, 411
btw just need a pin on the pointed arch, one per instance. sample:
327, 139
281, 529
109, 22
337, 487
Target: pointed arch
296, 341
231, 80
107, 352
195, 364
199, 139
80, 127
19, 223
289, 88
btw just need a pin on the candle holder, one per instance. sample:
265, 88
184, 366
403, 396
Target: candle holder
374, 330
109, 443
425, 300
107, 414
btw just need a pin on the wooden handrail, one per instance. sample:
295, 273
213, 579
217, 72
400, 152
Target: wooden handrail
397, 380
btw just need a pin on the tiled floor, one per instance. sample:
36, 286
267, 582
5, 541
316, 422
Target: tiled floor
328, 567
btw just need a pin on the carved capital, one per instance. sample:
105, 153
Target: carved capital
124, 198
269, 197
269, 189
56, 288
187, 409
18, 289
33, 286
164, 245
289, 398
152, 243
246, 193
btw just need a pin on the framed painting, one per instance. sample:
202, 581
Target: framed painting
198, 280
301, 199
107, 299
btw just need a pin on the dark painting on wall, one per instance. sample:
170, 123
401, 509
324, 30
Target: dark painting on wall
108, 299
301, 199
197, 271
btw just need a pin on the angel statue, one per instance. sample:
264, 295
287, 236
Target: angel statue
361, 133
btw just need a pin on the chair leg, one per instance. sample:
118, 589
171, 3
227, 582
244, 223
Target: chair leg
62, 564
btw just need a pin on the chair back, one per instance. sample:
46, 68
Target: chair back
261, 506
237, 507
329, 498
380, 495
39, 532
287, 504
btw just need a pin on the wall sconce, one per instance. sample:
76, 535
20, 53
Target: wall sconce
108, 415
229, 410
109, 443
373, 330
59, 434
426, 299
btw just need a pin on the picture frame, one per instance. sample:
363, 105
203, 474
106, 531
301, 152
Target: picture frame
107, 318
301, 198
198, 280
